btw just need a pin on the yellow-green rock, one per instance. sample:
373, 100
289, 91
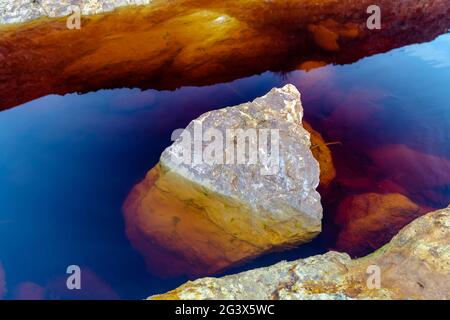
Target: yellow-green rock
414, 265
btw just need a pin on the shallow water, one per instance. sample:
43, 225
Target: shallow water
68, 162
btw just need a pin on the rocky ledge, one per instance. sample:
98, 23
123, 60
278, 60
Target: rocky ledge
200, 217
414, 265
18, 11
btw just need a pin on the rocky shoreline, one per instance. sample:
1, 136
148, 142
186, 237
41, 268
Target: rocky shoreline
415, 264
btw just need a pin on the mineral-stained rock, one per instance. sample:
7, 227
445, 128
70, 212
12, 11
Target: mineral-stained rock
311, 65
328, 32
200, 218
370, 220
322, 153
414, 265
16, 11
170, 44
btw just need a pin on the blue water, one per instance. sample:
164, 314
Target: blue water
68, 162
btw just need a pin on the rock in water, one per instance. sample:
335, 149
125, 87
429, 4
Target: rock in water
414, 265
370, 220
202, 217
423, 176
322, 153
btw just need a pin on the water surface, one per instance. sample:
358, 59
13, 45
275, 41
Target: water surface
68, 162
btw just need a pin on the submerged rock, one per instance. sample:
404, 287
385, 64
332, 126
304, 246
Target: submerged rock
414, 265
423, 176
200, 217
2, 282
370, 220
28, 291
328, 32
93, 288
322, 153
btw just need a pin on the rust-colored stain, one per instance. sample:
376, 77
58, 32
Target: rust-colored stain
167, 45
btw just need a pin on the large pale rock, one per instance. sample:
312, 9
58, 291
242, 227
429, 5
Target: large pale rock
414, 265
17, 11
370, 220
201, 218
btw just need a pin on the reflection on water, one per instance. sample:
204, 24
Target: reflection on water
172, 44
68, 162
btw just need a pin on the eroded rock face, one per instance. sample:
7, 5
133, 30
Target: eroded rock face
200, 218
18, 11
414, 265
370, 220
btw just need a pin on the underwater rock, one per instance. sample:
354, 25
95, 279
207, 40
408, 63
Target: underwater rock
412, 168
93, 287
327, 33
311, 65
322, 153
424, 176
414, 265
370, 220
28, 291
19, 11
200, 217
324, 37
2, 282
